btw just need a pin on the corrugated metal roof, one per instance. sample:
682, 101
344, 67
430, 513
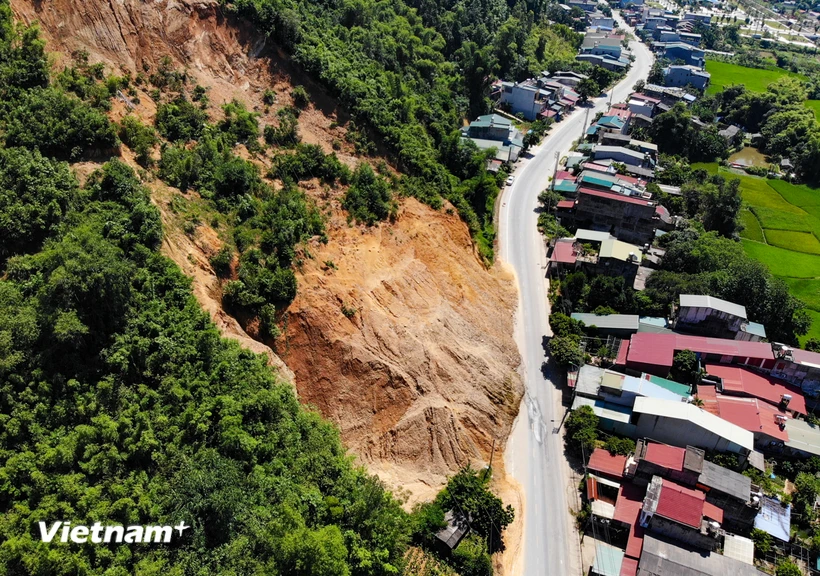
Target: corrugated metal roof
620, 251
645, 387
670, 457
725, 480
803, 436
672, 386
604, 410
610, 321
774, 518
629, 567
661, 558
659, 349
563, 252
747, 382
751, 414
592, 235
602, 150
607, 560
615, 197
702, 301
602, 461
588, 380
681, 504
698, 416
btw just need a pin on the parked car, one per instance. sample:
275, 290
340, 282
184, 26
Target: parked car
510, 180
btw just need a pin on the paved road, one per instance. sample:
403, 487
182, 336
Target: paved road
534, 453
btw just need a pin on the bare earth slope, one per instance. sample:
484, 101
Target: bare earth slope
406, 341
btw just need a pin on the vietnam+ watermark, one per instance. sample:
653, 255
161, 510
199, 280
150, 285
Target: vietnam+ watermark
102, 534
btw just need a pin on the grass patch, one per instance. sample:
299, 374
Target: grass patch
783, 262
807, 289
751, 226
814, 106
710, 167
755, 79
805, 242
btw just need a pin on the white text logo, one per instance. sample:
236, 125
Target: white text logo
99, 534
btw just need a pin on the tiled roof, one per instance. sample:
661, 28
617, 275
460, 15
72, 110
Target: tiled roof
602, 461
681, 504
566, 204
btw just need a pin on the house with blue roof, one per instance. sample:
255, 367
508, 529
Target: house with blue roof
680, 51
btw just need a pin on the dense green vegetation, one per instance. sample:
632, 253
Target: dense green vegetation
466, 495
119, 401
409, 72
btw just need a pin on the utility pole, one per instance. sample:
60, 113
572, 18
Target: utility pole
584, 129
555, 172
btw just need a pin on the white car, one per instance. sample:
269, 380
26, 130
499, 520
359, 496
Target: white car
510, 180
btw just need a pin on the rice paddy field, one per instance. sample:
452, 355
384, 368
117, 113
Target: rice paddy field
782, 230
756, 79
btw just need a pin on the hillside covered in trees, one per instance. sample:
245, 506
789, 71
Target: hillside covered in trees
409, 72
119, 402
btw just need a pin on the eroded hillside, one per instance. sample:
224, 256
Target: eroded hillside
398, 332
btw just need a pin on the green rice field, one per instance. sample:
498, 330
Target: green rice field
782, 230
756, 79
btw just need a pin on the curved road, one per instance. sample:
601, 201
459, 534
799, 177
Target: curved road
534, 453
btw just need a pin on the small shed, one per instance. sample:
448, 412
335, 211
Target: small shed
449, 537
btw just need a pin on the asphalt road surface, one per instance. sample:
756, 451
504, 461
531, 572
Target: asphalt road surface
534, 453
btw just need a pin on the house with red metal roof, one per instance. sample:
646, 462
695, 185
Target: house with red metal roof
728, 490
627, 515
654, 353
741, 381
681, 513
766, 423
603, 462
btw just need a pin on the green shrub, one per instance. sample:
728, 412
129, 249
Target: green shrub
287, 133
180, 120
369, 198
140, 138
300, 97
239, 124
221, 261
